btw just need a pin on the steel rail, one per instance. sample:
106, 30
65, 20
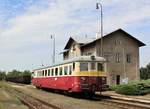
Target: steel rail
32, 102
124, 103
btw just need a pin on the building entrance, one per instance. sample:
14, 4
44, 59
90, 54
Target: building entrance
118, 79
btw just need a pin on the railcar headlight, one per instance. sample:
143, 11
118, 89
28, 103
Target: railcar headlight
83, 78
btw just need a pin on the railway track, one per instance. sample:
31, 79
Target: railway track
113, 101
32, 102
125, 103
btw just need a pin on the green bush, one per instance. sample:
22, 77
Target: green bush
130, 89
146, 91
113, 87
133, 88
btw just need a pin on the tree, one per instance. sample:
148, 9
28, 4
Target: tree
14, 73
26, 73
145, 72
2, 75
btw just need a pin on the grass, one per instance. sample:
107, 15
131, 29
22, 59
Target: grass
4, 84
8, 100
1, 106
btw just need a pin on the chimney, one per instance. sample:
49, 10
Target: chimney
97, 35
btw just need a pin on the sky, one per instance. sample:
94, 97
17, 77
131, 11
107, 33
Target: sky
26, 27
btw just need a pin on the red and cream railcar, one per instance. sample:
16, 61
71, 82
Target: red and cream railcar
80, 74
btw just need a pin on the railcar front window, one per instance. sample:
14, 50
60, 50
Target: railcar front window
100, 67
83, 66
93, 66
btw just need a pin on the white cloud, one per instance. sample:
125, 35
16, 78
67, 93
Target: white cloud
64, 18
127, 14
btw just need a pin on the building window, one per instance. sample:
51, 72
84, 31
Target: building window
65, 70
117, 57
117, 42
100, 67
74, 47
60, 70
128, 57
93, 66
83, 66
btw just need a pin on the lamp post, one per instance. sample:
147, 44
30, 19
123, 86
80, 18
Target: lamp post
52, 37
99, 6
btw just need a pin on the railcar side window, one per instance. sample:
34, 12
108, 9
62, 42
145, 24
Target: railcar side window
83, 66
48, 72
39, 73
93, 66
56, 71
52, 71
70, 70
60, 70
73, 66
100, 67
45, 72
65, 70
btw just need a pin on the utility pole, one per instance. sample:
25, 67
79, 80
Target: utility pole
99, 6
52, 37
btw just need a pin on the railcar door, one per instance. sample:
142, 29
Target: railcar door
100, 69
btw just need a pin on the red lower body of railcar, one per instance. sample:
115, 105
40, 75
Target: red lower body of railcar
72, 83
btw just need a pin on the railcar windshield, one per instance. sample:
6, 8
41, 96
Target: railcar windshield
84, 66
91, 66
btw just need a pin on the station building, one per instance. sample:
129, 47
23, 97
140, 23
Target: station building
120, 49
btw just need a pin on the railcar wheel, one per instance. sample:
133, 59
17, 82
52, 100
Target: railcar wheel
93, 88
91, 94
37, 87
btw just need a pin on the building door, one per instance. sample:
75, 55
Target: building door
118, 79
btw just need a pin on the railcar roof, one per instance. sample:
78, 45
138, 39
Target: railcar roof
75, 59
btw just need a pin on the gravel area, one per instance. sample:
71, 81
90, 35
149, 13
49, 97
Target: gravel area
63, 101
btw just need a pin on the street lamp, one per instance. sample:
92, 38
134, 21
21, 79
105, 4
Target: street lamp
52, 37
99, 6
